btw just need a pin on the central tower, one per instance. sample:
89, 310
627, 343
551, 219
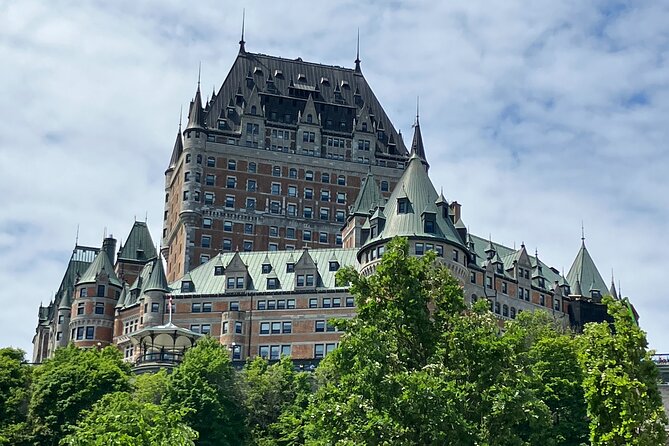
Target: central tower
273, 160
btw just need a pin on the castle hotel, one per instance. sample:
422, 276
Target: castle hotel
290, 171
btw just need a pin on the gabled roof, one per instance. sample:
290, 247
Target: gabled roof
157, 280
310, 109
416, 187
101, 264
206, 282
584, 270
368, 197
139, 245
295, 79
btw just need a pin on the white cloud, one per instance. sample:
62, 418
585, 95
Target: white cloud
535, 117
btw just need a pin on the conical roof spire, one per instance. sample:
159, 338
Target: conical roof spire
242, 48
357, 54
178, 147
157, 280
584, 270
417, 147
612, 289
368, 197
101, 264
577, 289
195, 111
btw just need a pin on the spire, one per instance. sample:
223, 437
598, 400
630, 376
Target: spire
612, 289
178, 147
195, 111
357, 54
242, 49
157, 280
417, 147
577, 289
584, 270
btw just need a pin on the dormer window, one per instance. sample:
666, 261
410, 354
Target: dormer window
187, 286
140, 254
310, 118
301, 77
310, 280
334, 265
272, 283
254, 109
290, 267
542, 283
364, 126
402, 205
240, 282
500, 268
266, 268
429, 223
325, 81
278, 73
257, 70
219, 271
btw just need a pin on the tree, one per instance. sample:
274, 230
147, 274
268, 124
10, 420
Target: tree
15, 376
121, 419
151, 387
621, 382
551, 353
72, 381
271, 391
206, 383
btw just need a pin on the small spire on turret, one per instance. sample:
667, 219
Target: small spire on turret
242, 49
357, 54
417, 147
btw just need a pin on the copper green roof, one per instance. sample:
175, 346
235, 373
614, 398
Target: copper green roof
368, 197
206, 282
99, 265
139, 245
416, 187
584, 270
80, 260
157, 280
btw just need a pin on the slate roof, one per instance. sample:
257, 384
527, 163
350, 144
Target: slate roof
80, 260
139, 245
100, 264
584, 270
157, 280
205, 282
284, 86
415, 185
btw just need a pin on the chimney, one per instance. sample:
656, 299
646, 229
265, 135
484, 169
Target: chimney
455, 211
109, 246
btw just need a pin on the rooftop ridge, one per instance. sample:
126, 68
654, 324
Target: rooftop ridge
300, 60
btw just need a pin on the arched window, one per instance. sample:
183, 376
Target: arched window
253, 109
505, 310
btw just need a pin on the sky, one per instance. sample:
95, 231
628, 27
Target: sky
536, 116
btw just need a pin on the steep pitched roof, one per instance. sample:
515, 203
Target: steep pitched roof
195, 113
368, 197
80, 260
335, 90
177, 150
417, 146
139, 245
101, 264
206, 282
157, 280
584, 270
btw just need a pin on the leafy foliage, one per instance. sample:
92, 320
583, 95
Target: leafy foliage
15, 377
72, 381
120, 419
206, 384
620, 382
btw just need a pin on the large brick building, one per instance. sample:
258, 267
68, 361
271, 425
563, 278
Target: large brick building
257, 225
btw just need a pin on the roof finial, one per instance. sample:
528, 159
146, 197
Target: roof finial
582, 232
181, 110
76, 238
357, 53
242, 49
417, 108
199, 73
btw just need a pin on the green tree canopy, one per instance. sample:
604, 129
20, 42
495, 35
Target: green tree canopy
15, 376
624, 404
72, 381
121, 419
206, 383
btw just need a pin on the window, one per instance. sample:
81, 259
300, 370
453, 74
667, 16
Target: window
227, 244
420, 249
325, 195
520, 293
251, 185
231, 182
234, 305
341, 180
276, 171
239, 327
90, 332
206, 223
513, 312
290, 304
205, 328
230, 282
290, 267
309, 175
306, 235
206, 241
99, 309
324, 214
456, 255
276, 189
252, 168
308, 193
224, 327
101, 291
248, 245
204, 258
271, 305
402, 205
186, 176
248, 228
263, 351
155, 307
229, 201
208, 198
80, 309
264, 328
325, 177
287, 327
80, 333
227, 226
505, 310
336, 302
308, 213
542, 300
250, 203
187, 158
319, 351
211, 161
527, 295
240, 282
236, 352
61, 319
206, 307
292, 191
290, 233
556, 304
262, 305
333, 265
272, 283
323, 237
488, 282
185, 195
232, 165
292, 173
198, 177
196, 308
504, 288
350, 302
275, 328
429, 224
497, 307
384, 186
327, 302
59, 335
313, 302
319, 326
